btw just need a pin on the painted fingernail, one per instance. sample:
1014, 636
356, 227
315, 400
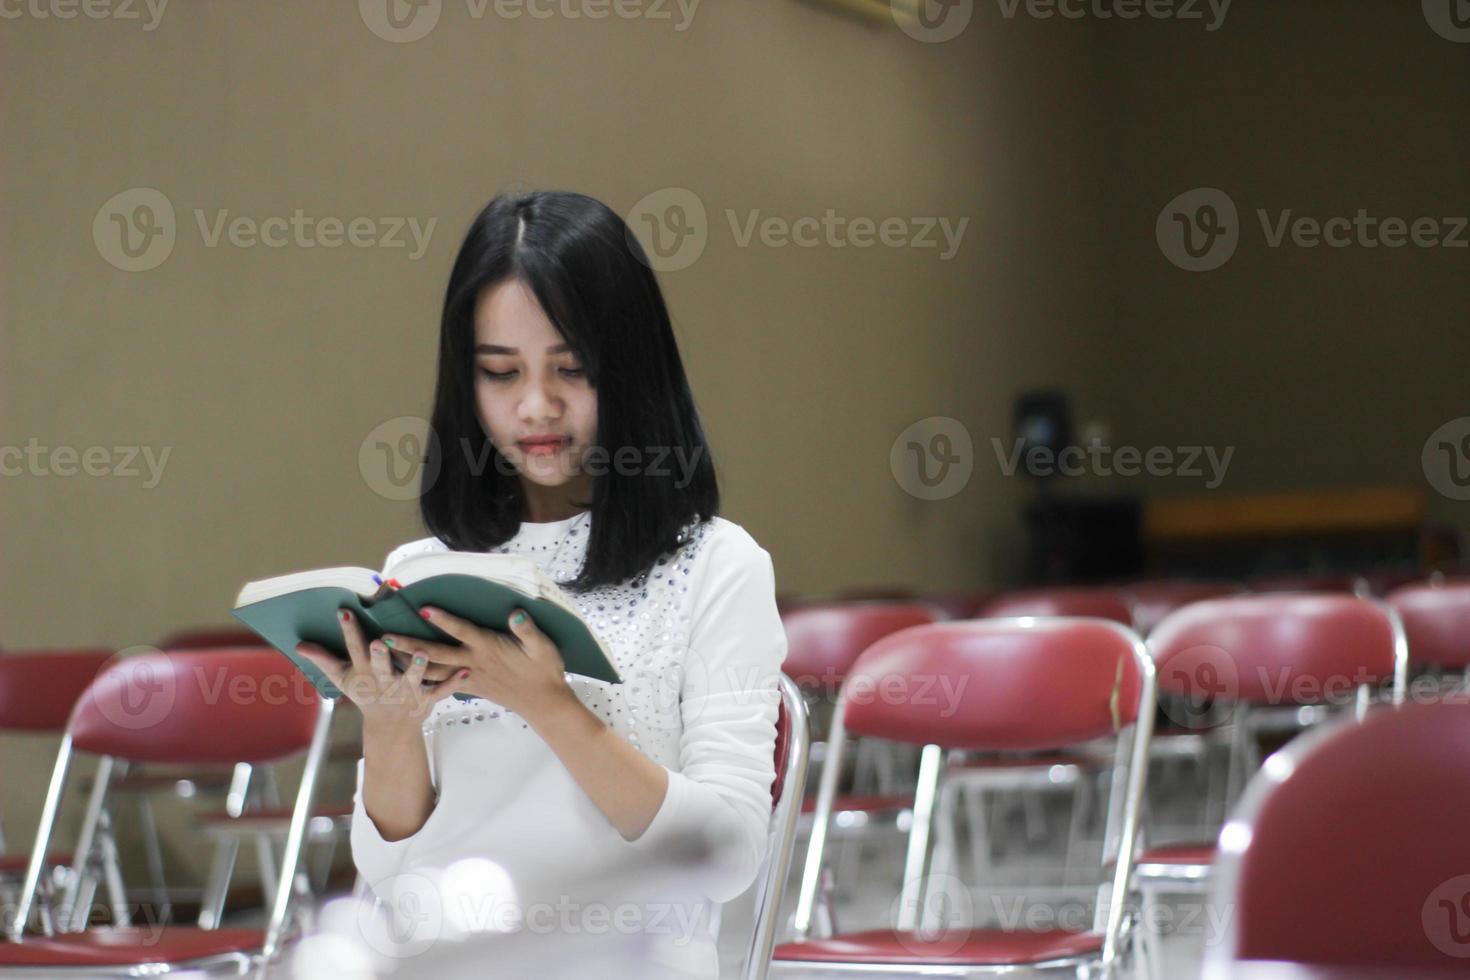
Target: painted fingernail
424, 613
463, 674
346, 616
418, 661
520, 618
389, 640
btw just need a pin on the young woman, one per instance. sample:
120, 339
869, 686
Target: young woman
564, 430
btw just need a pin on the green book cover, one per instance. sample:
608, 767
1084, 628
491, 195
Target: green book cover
309, 612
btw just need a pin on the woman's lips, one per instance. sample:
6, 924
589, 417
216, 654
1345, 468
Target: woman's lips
541, 447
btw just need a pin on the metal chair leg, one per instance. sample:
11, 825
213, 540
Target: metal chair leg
153, 851
117, 893
216, 886
69, 921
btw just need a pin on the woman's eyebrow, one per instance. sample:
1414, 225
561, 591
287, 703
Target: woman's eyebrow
501, 349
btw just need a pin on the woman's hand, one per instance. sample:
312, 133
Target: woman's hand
386, 699
523, 671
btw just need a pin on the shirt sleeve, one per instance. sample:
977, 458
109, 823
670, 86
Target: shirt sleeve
377, 859
728, 706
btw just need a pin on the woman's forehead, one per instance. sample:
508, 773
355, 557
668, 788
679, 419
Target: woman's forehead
508, 315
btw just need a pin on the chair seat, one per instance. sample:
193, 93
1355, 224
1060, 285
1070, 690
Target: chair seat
872, 804
1023, 762
1184, 867
201, 780
981, 947
272, 815
129, 946
16, 864
1179, 854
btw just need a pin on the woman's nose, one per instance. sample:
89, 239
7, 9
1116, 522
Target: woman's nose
539, 401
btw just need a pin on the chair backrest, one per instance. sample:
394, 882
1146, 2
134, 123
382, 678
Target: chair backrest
1349, 847
1325, 582
229, 706
1091, 601
38, 689
198, 708
1381, 582
1152, 601
1284, 649
793, 748
209, 638
1437, 623
822, 641
963, 603
996, 684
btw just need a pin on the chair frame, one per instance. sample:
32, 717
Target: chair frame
1125, 805
1154, 879
770, 883
1220, 961
228, 964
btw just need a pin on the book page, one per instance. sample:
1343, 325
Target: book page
359, 580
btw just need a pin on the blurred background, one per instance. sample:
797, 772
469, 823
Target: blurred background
1218, 250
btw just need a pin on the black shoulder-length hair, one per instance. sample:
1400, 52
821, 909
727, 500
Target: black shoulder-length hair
596, 285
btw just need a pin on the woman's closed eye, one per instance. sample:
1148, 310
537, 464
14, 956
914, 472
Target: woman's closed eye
507, 375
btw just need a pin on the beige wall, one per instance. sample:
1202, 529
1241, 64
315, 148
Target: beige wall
1323, 367
264, 369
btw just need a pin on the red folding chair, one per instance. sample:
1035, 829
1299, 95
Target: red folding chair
193, 708
1152, 601
963, 603
209, 638
1349, 848
1325, 582
985, 785
1032, 684
1094, 601
1437, 624
822, 642
1258, 657
37, 692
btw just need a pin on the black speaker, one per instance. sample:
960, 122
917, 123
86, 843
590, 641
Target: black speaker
1042, 419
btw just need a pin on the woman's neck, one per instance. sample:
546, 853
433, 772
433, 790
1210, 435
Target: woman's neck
546, 504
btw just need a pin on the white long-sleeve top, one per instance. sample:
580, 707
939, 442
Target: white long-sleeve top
699, 644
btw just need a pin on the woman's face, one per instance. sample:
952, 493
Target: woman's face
531, 392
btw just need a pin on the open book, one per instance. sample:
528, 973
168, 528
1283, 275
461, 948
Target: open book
480, 587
